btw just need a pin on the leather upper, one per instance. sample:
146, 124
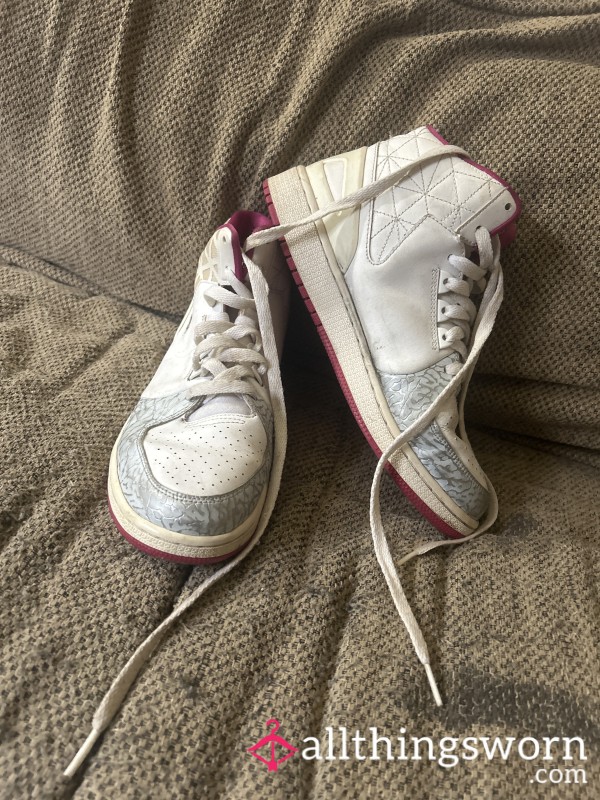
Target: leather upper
396, 273
200, 467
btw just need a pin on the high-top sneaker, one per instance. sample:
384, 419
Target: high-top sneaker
191, 468
392, 285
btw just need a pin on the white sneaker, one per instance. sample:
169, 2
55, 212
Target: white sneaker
389, 283
191, 468
195, 472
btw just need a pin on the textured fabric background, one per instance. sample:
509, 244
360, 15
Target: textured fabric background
128, 130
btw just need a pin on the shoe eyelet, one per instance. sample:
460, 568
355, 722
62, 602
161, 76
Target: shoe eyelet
508, 207
443, 309
443, 337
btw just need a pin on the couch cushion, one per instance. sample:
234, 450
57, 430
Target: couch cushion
129, 133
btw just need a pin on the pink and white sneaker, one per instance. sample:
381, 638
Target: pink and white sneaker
382, 244
191, 470
387, 245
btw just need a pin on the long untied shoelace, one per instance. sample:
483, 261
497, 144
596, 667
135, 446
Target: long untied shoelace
492, 298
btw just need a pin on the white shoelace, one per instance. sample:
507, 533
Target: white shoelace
460, 309
228, 353
112, 700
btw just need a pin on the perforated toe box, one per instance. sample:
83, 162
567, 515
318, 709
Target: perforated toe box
200, 476
208, 457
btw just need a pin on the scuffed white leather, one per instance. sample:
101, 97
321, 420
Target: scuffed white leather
206, 457
396, 301
395, 280
459, 194
270, 259
221, 404
405, 237
222, 444
330, 180
173, 371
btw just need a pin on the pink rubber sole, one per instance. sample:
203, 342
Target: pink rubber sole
411, 495
151, 551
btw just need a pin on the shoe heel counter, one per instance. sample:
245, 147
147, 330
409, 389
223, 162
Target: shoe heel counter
330, 180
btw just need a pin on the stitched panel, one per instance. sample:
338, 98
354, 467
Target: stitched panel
408, 397
448, 189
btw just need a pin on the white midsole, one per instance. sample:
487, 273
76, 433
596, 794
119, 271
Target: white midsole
176, 544
325, 285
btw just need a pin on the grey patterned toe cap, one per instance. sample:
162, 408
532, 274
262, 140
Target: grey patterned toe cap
442, 462
177, 512
408, 397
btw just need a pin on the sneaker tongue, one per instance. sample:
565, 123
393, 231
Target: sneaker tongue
223, 253
221, 404
219, 257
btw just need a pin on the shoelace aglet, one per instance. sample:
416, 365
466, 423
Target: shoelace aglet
82, 753
432, 683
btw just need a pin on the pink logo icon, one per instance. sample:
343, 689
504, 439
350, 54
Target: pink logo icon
270, 743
